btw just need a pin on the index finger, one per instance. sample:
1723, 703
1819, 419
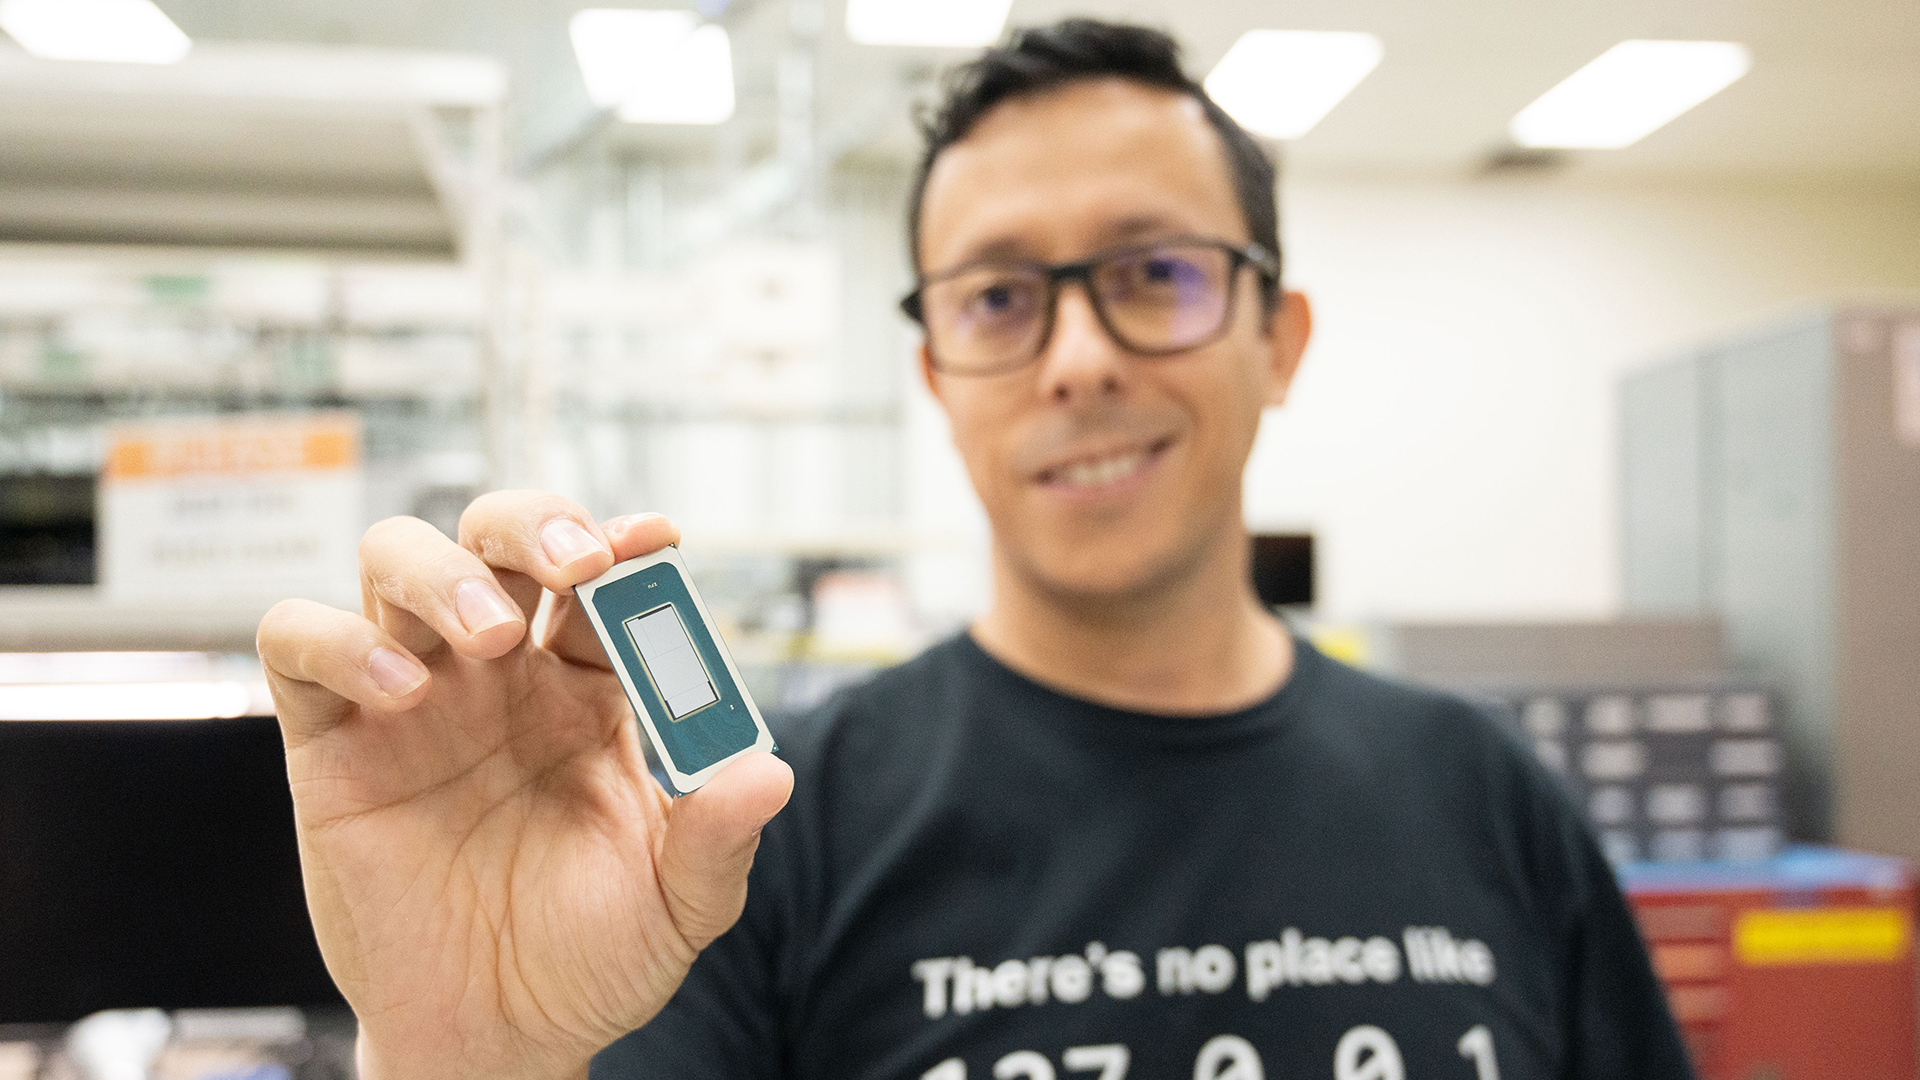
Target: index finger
551, 539
321, 662
568, 631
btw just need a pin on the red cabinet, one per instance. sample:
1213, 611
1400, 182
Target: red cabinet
1800, 967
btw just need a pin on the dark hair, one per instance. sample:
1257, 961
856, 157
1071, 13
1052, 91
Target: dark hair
1043, 58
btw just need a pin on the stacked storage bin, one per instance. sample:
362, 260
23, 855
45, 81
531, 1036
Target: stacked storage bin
1665, 773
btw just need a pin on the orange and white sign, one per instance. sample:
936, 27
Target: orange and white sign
259, 505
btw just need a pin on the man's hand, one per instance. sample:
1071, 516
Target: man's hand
498, 885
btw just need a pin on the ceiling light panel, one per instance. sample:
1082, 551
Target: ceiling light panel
957, 24
121, 31
1279, 83
655, 67
1628, 92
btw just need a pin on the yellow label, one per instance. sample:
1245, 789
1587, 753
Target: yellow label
1347, 644
1840, 935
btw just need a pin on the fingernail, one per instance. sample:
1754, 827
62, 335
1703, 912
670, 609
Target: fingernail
481, 608
622, 524
396, 675
567, 543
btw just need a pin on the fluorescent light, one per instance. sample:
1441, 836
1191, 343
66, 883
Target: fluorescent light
124, 31
958, 24
1279, 83
655, 67
1628, 92
126, 701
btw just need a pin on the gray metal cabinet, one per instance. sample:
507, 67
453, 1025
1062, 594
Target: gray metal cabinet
1774, 481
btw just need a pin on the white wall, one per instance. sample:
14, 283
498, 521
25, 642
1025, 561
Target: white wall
1450, 439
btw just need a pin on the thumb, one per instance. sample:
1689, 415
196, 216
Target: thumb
711, 836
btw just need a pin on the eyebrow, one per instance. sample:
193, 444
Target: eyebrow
1004, 248
1013, 248
1134, 228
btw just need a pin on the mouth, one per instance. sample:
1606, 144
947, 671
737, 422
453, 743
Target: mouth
1105, 472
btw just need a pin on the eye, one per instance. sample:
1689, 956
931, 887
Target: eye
1000, 299
1169, 270
1160, 271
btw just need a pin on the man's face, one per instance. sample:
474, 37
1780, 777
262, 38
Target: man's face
1104, 473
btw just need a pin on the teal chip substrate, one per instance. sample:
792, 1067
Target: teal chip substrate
677, 675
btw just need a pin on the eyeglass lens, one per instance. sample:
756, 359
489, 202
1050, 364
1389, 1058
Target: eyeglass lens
1154, 300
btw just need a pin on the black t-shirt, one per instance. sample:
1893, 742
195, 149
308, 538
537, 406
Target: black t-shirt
982, 877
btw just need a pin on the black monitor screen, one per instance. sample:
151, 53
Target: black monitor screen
149, 864
1283, 568
46, 529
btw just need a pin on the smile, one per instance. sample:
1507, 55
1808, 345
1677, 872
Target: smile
1107, 471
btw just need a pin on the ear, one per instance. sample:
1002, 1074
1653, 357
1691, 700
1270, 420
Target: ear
1287, 331
927, 373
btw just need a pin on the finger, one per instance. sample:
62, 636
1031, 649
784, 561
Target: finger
552, 540
640, 534
568, 632
710, 839
321, 661
431, 589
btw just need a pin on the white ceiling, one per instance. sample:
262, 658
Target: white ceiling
1835, 87
190, 154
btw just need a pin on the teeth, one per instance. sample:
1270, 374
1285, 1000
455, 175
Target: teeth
1103, 471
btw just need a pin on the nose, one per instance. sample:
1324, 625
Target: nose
1081, 364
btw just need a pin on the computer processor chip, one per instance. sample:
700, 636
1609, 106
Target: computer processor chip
674, 666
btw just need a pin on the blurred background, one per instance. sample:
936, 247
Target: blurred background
1611, 418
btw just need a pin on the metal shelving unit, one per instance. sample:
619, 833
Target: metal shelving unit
258, 227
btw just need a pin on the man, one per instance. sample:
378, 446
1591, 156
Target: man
1127, 825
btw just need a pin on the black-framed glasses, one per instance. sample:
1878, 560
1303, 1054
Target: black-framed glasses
1154, 299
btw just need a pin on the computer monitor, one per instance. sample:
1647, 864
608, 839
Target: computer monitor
150, 863
1283, 569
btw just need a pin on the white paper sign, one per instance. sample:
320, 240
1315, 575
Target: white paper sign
262, 506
